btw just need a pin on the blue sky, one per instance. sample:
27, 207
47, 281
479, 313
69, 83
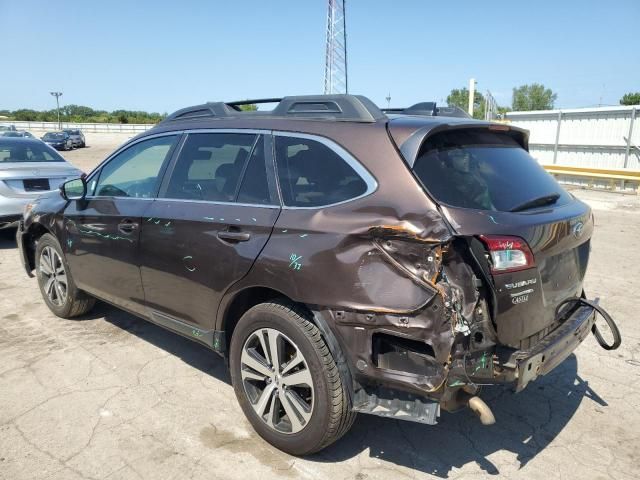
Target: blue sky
162, 55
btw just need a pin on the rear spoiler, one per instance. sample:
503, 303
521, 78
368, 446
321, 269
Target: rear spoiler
409, 145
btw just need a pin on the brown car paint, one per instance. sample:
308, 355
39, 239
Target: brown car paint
392, 263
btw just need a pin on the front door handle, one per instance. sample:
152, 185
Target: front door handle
127, 226
234, 236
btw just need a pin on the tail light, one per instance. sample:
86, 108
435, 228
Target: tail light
508, 254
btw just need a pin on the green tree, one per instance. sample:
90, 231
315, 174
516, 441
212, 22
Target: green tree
251, 107
630, 99
533, 97
24, 114
459, 97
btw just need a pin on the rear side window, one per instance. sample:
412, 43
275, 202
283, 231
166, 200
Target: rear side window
311, 174
484, 170
210, 166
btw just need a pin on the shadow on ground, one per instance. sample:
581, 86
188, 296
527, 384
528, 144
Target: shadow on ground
525, 423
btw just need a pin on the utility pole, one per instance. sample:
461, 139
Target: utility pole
57, 95
472, 94
335, 64
388, 99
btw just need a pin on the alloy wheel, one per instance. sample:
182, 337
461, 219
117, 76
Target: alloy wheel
277, 380
55, 284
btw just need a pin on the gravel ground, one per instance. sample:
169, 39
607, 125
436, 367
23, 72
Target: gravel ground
112, 396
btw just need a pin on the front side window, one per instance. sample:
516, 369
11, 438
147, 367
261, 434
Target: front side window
210, 166
135, 171
311, 174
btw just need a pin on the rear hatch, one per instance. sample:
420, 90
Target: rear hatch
529, 236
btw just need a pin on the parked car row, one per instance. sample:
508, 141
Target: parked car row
65, 140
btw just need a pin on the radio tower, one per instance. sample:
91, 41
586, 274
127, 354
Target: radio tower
335, 66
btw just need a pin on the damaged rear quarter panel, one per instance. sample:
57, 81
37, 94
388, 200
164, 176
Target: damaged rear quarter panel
372, 265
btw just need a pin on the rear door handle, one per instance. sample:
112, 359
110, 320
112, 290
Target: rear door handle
127, 226
234, 236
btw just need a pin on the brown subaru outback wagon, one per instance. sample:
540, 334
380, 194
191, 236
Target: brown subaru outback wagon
342, 259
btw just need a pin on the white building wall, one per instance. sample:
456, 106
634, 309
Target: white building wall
588, 137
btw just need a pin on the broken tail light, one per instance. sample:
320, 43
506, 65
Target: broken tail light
508, 254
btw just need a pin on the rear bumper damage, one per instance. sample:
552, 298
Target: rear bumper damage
403, 383
410, 364
524, 366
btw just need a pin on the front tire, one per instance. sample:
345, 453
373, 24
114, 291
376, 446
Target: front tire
56, 283
287, 381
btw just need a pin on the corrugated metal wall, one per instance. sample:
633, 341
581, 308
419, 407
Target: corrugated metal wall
584, 137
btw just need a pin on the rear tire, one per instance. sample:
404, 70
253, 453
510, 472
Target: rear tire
323, 409
56, 284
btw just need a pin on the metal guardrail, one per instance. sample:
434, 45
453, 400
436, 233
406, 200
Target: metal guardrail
612, 174
85, 127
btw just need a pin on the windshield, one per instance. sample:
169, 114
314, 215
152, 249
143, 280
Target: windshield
53, 136
14, 151
484, 170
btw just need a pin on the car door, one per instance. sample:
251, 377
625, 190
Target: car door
102, 231
215, 212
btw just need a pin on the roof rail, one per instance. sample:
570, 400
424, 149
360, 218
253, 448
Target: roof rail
429, 109
353, 108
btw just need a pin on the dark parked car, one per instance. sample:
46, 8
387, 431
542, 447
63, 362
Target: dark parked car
77, 137
58, 140
341, 259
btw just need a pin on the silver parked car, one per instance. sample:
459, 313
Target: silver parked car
77, 137
28, 168
17, 133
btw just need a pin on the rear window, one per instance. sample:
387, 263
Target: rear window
484, 170
19, 151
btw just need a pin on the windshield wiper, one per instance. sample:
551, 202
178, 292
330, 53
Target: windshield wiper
548, 199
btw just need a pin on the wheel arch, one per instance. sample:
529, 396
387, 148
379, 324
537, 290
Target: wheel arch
35, 231
242, 300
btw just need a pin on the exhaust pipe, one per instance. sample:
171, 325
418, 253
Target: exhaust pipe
482, 410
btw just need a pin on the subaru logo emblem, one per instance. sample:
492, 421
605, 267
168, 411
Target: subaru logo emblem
577, 229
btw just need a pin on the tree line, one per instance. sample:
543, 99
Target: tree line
524, 98
82, 114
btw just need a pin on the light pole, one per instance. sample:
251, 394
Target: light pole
57, 95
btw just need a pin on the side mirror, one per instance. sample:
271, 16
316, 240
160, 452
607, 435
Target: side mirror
75, 189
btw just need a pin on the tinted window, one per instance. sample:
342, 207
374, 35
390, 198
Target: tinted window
483, 170
54, 136
210, 166
255, 187
135, 171
311, 174
19, 151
